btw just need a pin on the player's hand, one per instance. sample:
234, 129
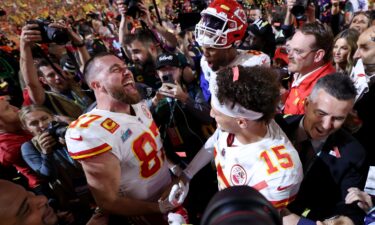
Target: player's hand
364, 199
165, 206
178, 193
46, 142
178, 217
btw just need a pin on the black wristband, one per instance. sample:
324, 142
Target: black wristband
78, 45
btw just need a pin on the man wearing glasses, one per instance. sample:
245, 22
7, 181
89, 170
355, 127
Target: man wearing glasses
309, 54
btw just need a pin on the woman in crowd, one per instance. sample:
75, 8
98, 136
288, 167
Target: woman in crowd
345, 45
47, 155
360, 21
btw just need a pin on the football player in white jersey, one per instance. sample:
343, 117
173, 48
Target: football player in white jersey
118, 143
221, 28
248, 147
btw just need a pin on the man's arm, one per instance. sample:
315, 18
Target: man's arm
35, 89
103, 176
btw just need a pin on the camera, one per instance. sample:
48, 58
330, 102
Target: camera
299, 9
50, 34
133, 9
57, 129
167, 78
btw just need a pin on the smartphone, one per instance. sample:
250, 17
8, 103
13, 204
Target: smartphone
168, 78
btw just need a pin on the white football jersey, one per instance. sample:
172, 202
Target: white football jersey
243, 58
271, 165
134, 140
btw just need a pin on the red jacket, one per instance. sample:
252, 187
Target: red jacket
10, 155
294, 103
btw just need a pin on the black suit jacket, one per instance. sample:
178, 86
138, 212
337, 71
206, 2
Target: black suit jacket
325, 184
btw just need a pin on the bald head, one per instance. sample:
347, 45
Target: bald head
366, 50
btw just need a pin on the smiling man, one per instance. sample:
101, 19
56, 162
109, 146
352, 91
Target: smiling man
119, 144
18, 206
222, 26
332, 159
309, 54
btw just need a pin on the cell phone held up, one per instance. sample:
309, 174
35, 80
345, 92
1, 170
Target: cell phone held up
168, 78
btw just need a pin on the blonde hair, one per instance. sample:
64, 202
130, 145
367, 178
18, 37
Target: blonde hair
351, 37
31, 108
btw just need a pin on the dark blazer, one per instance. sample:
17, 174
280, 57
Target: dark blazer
325, 184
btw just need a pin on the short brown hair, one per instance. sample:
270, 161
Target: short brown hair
323, 38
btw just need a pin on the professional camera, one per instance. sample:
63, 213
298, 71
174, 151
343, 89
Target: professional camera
50, 34
133, 9
57, 129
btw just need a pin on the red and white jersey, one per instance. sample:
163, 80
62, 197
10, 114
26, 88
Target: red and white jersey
134, 140
243, 58
271, 165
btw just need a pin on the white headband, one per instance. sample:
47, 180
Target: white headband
235, 112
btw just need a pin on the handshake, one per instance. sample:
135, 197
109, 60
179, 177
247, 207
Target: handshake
176, 196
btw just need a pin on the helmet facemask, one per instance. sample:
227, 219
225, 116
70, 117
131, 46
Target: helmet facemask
213, 28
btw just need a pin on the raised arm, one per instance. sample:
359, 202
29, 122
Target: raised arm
29, 35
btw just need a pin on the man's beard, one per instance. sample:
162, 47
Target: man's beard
147, 66
122, 96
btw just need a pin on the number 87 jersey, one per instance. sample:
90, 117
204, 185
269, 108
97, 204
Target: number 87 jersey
133, 139
270, 165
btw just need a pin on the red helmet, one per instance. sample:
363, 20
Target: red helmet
222, 23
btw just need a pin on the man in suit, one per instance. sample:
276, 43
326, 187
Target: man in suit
332, 159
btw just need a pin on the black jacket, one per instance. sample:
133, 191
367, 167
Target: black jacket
325, 184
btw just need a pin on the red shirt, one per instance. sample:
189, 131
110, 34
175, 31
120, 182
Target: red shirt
295, 101
10, 155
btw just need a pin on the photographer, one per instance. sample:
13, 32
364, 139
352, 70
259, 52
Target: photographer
145, 42
64, 97
179, 108
47, 155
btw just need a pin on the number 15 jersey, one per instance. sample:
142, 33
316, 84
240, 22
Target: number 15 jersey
134, 140
270, 165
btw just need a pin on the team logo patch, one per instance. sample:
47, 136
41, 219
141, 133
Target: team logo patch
146, 111
110, 125
238, 175
125, 135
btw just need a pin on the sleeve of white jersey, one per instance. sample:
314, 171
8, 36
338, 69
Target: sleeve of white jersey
83, 143
204, 156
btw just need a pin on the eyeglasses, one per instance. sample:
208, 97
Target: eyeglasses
299, 52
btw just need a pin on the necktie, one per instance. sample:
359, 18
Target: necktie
306, 153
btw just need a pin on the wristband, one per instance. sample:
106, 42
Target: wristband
78, 45
304, 221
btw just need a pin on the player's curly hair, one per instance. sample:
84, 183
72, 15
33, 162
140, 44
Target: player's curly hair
256, 89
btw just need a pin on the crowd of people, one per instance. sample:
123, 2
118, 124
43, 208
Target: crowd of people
200, 112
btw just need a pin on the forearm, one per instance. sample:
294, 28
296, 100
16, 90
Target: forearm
83, 54
203, 157
288, 18
167, 39
122, 31
30, 75
129, 207
39, 162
